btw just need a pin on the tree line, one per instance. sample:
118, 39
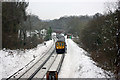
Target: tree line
101, 38
15, 24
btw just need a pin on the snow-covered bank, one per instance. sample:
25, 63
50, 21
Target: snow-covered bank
13, 60
77, 64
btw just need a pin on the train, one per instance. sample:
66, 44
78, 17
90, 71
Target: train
60, 45
69, 36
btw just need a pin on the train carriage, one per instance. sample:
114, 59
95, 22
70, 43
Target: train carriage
60, 45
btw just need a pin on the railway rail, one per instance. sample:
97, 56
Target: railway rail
25, 69
52, 73
49, 61
42, 72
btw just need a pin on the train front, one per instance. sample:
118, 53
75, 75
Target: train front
60, 45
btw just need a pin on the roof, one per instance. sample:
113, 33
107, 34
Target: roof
61, 39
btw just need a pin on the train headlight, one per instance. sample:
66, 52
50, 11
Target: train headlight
57, 47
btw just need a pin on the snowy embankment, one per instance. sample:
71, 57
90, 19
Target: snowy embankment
77, 64
13, 60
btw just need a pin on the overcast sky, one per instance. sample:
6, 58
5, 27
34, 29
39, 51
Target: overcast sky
54, 9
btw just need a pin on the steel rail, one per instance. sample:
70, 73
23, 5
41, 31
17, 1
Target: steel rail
18, 75
37, 65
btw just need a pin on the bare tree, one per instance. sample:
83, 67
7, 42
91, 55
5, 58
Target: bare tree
117, 60
110, 7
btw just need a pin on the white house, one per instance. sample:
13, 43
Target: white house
43, 32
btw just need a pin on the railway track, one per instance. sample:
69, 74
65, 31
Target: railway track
50, 60
42, 72
28, 67
34, 69
54, 64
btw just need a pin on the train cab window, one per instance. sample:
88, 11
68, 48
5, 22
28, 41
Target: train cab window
57, 44
62, 44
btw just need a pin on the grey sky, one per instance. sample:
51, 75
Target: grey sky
54, 9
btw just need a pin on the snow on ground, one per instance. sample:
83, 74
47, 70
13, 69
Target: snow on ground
13, 60
77, 64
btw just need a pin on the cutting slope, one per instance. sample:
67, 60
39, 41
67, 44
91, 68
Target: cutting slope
77, 64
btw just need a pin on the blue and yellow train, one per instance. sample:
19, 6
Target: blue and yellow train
60, 45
